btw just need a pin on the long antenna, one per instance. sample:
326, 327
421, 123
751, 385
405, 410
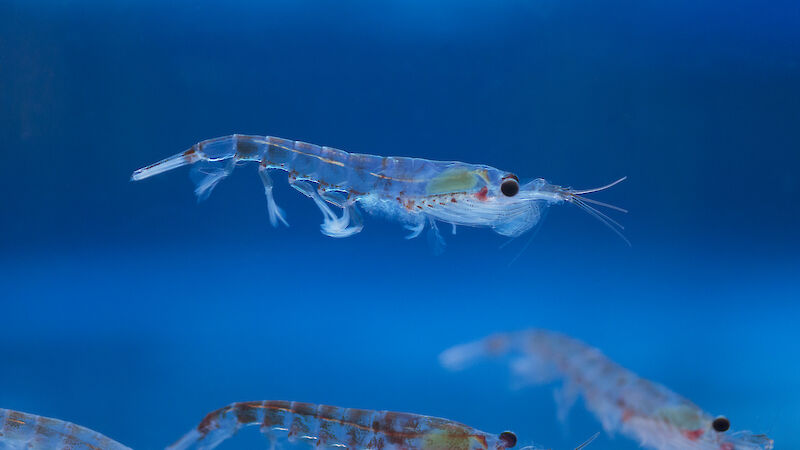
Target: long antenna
588, 441
598, 189
574, 196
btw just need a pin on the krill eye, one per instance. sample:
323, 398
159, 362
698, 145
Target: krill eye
721, 424
509, 439
510, 187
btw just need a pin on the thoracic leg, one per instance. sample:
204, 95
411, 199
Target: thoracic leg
565, 397
350, 221
434, 238
206, 175
415, 229
275, 212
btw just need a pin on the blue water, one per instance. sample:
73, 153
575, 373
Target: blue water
128, 308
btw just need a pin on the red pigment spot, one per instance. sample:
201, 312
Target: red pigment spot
481, 195
496, 345
453, 200
189, 155
626, 414
246, 413
208, 422
693, 435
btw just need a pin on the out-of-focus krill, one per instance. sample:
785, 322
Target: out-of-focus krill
643, 410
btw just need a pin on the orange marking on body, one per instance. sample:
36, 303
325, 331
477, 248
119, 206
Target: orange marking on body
386, 177
191, 155
482, 194
323, 159
294, 150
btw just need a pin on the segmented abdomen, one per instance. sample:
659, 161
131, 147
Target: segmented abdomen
597, 375
330, 167
23, 431
621, 400
323, 425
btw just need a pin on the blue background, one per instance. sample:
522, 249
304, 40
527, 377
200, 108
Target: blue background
128, 308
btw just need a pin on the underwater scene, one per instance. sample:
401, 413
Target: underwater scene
400, 224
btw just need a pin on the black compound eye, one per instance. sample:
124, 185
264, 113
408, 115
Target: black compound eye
721, 424
508, 438
510, 187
